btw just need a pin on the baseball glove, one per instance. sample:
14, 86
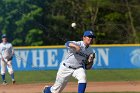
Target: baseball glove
89, 61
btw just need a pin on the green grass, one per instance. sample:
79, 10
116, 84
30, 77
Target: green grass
92, 75
114, 75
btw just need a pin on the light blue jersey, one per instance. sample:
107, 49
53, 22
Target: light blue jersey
77, 59
6, 50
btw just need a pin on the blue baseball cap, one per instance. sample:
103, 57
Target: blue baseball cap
89, 33
4, 36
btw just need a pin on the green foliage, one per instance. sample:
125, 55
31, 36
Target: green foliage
112, 17
33, 37
114, 21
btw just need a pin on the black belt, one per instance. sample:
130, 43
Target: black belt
69, 66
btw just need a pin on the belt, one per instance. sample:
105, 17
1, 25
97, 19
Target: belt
69, 66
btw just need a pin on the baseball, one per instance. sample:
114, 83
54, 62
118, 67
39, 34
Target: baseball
73, 25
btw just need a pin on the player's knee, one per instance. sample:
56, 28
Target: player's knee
2, 73
82, 79
11, 71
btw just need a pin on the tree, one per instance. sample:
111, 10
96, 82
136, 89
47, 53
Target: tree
17, 18
48, 22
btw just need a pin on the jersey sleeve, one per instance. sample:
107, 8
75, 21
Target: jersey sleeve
69, 48
74, 42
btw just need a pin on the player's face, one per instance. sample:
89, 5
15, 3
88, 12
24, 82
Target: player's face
4, 39
88, 40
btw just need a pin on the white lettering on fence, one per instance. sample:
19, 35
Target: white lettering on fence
49, 57
38, 58
21, 57
52, 61
102, 55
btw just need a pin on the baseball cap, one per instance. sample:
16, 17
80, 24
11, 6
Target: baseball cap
89, 33
4, 36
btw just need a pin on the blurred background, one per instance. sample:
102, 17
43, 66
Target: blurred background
48, 22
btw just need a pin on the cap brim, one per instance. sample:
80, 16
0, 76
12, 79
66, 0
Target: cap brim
90, 36
4, 37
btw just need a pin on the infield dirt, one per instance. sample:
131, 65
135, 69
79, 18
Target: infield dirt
72, 87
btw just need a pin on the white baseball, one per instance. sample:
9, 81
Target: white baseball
73, 25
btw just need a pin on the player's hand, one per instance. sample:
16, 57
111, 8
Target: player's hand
77, 48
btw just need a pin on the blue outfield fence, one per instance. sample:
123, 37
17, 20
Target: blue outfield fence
49, 58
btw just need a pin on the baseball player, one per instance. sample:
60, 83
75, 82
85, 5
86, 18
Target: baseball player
74, 64
6, 54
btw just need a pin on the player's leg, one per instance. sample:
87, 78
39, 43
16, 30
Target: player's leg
3, 71
80, 75
11, 71
62, 77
